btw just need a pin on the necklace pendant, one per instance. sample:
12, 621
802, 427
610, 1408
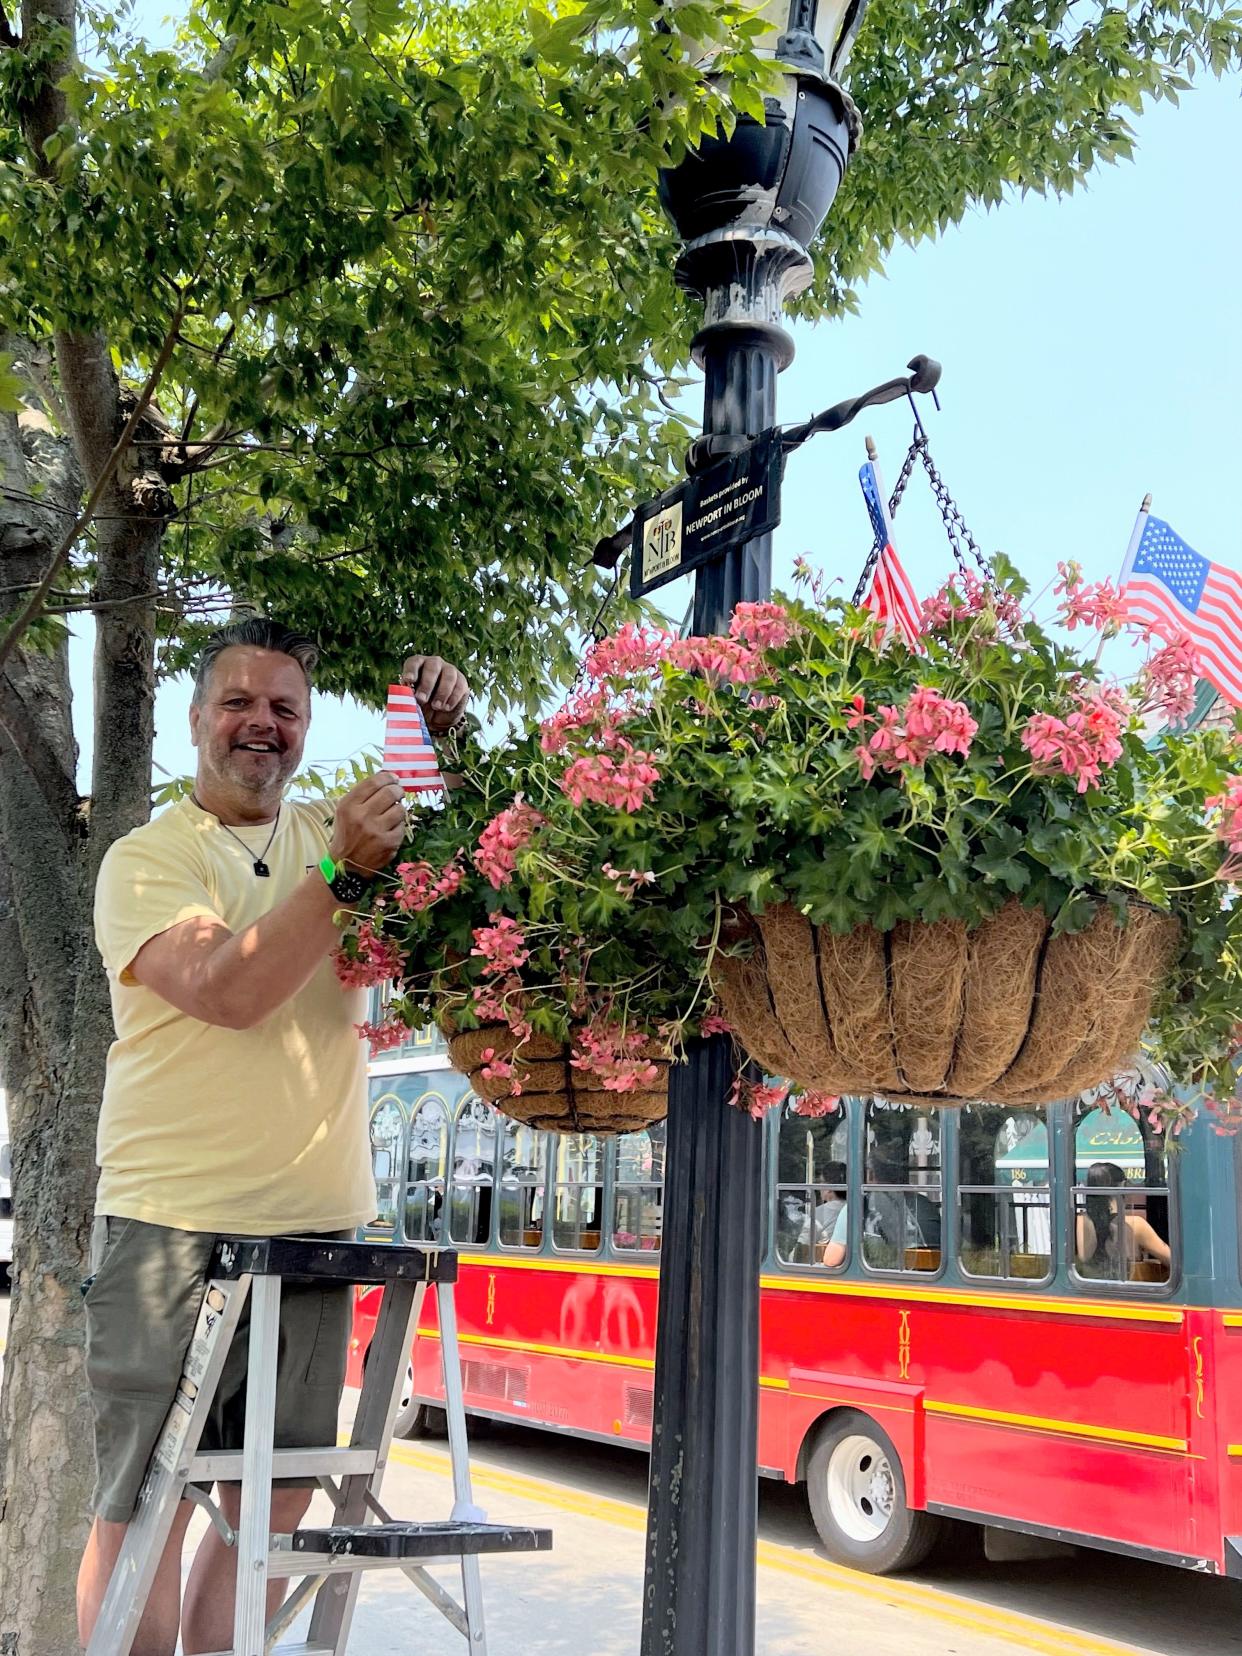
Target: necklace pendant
261, 868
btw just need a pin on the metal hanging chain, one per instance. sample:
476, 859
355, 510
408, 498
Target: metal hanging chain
960, 538
894, 501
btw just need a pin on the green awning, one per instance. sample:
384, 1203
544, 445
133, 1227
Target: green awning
1100, 1138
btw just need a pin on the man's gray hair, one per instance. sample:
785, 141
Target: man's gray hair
258, 633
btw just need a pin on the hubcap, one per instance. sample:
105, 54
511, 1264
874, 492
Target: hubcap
407, 1386
862, 1491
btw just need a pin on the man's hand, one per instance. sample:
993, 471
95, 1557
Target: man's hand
439, 689
369, 824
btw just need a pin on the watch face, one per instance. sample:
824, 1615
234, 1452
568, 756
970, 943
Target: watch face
348, 887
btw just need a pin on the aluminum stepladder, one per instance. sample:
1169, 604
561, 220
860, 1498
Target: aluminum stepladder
328, 1560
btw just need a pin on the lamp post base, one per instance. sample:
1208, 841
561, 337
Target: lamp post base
699, 1598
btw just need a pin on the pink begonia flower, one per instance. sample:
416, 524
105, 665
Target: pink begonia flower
392, 1032
1084, 742
501, 946
965, 597
506, 834
420, 886
613, 1055
1167, 683
816, 1104
930, 722
728, 659
764, 626
624, 784
627, 880
377, 960
632, 649
712, 1023
1095, 604
1229, 807
581, 715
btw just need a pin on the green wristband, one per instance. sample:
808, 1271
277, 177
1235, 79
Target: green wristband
328, 868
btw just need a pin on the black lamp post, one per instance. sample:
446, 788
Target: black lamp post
748, 208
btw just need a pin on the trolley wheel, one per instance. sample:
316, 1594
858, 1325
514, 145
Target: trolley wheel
414, 1419
857, 1496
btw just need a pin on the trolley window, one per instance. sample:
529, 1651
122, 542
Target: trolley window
474, 1157
638, 1190
811, 1172
426, 1166
387, 1129
1121, 1198
1004, 1199
578, 1202
901, 1188
523, 1185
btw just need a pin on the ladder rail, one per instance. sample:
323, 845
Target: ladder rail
255, 1525
459, 1460
148, 1530
372, 1430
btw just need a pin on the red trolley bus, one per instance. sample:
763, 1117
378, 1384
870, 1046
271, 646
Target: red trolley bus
1036, 1323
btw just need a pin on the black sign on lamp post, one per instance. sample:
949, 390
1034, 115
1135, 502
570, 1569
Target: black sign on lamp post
747, 208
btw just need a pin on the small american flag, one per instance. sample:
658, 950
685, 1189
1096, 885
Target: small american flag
408, 752
1179, 594
891, 598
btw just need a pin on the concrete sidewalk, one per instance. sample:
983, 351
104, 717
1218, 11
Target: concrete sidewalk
584, 1598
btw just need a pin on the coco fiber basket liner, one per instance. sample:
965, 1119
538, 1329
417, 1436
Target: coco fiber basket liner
554, 1094
936, 1014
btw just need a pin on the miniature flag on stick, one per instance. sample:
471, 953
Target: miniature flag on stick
1170, 588
892, 598
408, 752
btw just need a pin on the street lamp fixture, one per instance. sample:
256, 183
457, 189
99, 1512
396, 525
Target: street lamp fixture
749, 205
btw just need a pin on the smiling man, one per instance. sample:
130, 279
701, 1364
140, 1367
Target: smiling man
235, 1098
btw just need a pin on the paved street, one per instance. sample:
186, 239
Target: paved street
584, 1598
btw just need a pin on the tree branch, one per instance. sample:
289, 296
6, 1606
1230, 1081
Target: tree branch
10, 641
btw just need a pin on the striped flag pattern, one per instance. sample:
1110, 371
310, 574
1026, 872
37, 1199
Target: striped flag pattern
891, 598
408, 752
1168, 586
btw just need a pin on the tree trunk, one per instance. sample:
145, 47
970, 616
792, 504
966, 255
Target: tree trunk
55, 1023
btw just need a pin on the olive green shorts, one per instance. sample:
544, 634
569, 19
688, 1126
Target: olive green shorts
142, 1303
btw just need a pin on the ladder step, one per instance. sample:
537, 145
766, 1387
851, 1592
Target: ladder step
225, 1465
299, 1649
313, 1259
415, 1540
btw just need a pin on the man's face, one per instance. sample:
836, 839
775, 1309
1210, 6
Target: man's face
250, 726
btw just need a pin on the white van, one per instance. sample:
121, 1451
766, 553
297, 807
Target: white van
6, 1195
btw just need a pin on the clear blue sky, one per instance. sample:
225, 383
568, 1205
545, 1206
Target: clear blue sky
1091, 350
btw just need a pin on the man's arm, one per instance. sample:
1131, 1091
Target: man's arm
440, 689
237, 979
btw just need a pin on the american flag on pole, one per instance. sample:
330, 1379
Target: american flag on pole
1179, 594
892, 598
408, 752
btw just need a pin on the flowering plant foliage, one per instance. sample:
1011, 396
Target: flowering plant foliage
580, 879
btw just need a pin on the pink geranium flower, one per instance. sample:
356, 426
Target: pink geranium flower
625, 783
506, 834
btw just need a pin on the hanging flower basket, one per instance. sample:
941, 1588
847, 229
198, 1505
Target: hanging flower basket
962, 866
939, 1014
554, 1092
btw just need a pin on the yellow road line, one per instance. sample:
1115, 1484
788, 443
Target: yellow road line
952, 1609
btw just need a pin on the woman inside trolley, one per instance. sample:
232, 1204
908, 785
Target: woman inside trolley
1110, 1241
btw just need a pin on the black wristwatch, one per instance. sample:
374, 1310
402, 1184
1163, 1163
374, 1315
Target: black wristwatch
344, 886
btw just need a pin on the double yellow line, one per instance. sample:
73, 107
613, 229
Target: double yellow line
928, 1603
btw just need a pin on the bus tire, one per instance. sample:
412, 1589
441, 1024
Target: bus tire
857, 1495
413, 1419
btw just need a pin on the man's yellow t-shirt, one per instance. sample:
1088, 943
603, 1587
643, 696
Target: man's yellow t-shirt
257, 1130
